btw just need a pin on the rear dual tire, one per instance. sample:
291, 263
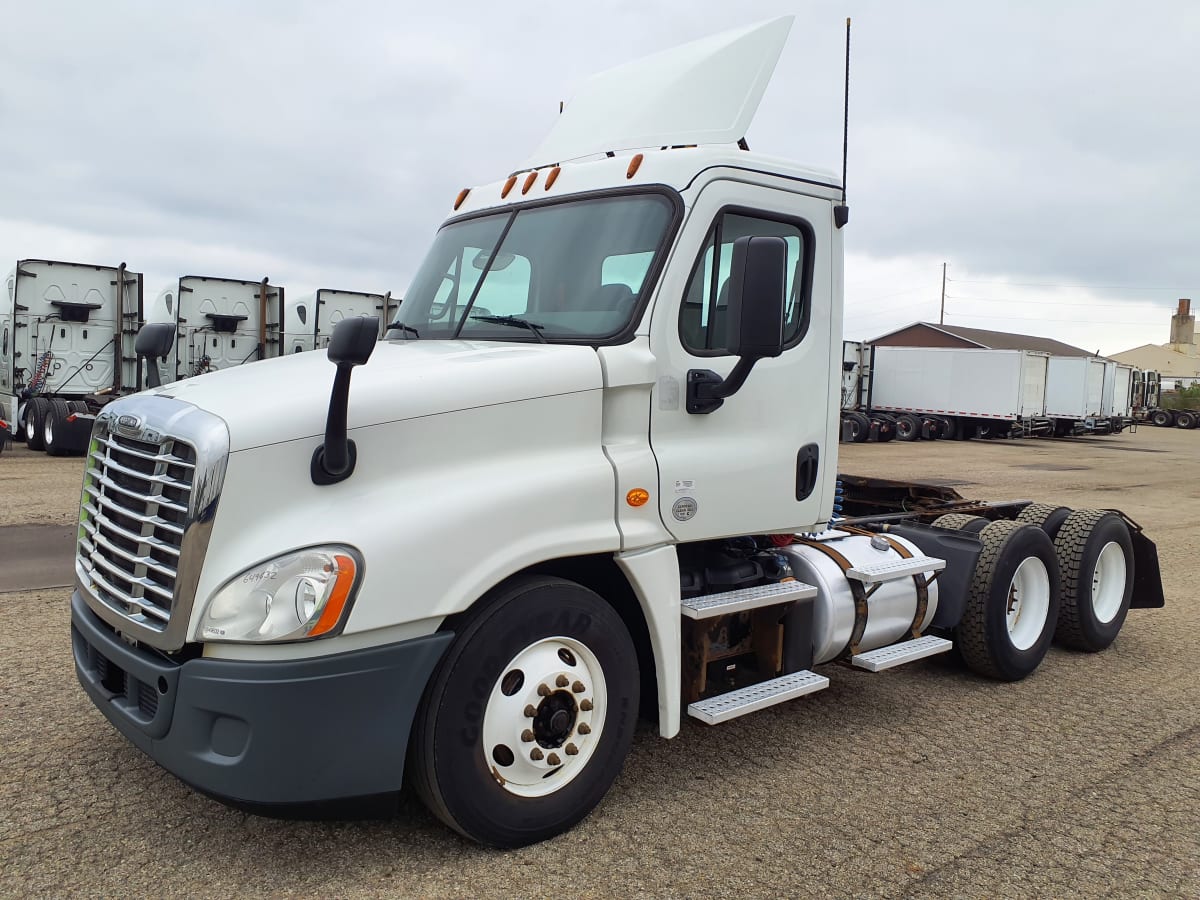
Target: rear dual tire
1012, 603
54, 426
1095, 554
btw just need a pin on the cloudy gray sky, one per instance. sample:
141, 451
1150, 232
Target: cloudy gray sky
1046, 151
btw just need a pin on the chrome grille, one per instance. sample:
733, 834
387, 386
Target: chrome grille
134, 513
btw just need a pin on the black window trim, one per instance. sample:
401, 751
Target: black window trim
806, 276
650, 282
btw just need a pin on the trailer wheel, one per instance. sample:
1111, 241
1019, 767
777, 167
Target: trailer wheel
860, 427
1161, 418
1012, 603
1185, 419
528, 718
950, 430
35, 423
1045, 516
962, 522
1095, 553
53, 425
908, 428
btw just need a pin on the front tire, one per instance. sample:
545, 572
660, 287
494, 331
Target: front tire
1012, 603
487, 767
1095, 552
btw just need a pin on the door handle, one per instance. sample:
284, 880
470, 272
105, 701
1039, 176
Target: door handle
807, 467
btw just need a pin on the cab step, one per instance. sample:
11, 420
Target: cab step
708, 605
724, 707
899, 654
895, 569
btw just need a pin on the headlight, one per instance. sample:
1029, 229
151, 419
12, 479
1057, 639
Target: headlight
295, 597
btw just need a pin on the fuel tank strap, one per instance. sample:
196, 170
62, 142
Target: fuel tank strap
856, 590
920, 582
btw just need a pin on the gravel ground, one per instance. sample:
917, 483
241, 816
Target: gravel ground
1081, 781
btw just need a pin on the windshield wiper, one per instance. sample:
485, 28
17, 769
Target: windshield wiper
516, 322
405, 330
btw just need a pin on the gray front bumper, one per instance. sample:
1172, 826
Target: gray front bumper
264, 733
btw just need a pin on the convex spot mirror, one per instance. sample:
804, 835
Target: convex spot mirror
154, 339
353, 340
757, 297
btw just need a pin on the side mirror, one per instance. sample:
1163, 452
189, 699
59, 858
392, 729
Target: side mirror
153, 342
757, 288
351, 345
757, 283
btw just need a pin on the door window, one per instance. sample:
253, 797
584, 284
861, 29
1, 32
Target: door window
703, 325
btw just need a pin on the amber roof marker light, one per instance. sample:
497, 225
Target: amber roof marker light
634, 165
461, 198
552, 177
508, 186
529, 180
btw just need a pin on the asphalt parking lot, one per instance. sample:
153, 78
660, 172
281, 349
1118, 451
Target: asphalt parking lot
1081, 781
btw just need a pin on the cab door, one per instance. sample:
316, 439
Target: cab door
765, 461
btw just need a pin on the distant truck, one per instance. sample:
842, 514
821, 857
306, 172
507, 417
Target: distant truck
220, 323
310, 320
67, 331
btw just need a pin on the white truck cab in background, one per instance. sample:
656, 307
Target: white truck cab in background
590, 471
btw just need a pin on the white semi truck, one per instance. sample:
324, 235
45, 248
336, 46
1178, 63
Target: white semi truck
220, 323
591, 472
309, 321
67, 332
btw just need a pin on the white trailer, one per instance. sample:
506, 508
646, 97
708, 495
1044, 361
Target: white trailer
66, 347
1119, 404
1075, 393
508, 527
975, 392
311, 319
220, 323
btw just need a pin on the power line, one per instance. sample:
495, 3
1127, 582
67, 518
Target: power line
1155, 306
1107, 287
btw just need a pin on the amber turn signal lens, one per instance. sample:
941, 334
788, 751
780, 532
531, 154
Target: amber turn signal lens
336, 604
637, 497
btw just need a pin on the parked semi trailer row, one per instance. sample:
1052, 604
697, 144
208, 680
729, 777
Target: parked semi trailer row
910, 393
68, 332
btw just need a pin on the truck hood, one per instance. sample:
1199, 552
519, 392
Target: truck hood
286, 399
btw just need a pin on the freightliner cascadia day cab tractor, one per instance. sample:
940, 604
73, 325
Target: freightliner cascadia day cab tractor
590, 472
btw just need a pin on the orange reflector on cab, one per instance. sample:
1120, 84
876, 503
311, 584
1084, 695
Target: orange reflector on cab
331, 615
508, 186
529, 180
462, 196
552, 177
637, 497
634, 164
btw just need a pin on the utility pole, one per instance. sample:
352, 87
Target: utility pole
942, 314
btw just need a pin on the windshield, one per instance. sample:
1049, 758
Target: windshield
571, 271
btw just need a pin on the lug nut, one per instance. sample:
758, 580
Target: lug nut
543, 690
553, 759
536, 753
585, 705
530, 711
577, 687
562, 681
527, 735
571, 749
585, 728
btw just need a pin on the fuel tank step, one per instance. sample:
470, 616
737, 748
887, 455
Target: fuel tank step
724, 707
895, 569
707, 605
899, 654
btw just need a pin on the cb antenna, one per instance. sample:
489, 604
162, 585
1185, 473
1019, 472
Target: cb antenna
841, 213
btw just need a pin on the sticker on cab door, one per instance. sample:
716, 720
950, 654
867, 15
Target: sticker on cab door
684, 508
685, 486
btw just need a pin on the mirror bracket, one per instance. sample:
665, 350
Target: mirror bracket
706, 390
